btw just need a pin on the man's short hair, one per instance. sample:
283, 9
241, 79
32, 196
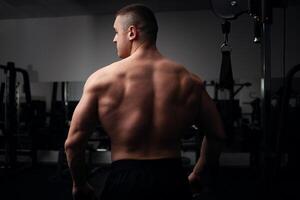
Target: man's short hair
143, 18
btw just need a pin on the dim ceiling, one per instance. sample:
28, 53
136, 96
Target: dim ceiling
11, 9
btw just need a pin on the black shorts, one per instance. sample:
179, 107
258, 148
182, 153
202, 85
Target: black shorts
146, 179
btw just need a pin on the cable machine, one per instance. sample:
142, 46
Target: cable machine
260, 12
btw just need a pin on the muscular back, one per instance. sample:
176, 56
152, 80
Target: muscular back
145, 104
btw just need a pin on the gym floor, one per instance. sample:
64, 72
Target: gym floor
44, 182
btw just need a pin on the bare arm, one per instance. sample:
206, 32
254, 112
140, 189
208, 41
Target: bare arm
209, 121
84, 120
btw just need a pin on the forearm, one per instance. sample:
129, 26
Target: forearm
76, 163
209, 155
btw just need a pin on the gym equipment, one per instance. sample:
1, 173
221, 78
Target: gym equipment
229, 109
226, 77
2, 96
10, 118
216, 87
262, 16
228, 9
11, 128
2, 87
59, 117
282, 126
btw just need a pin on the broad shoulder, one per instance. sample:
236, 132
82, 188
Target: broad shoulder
181, 69
197, 82
169, 62
100, 79
196, 78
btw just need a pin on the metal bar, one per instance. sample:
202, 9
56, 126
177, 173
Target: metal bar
266, 93
10, 119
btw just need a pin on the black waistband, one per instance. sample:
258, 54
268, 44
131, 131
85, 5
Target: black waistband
134, 163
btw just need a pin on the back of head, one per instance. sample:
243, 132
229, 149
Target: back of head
142, 18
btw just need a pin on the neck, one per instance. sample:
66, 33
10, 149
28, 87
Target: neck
142, 46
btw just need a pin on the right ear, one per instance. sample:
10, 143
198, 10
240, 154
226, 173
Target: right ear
132, 33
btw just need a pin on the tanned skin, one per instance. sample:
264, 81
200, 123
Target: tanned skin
145, 102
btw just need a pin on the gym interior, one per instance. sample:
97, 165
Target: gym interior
246, 51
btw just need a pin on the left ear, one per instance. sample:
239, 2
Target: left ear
132, 33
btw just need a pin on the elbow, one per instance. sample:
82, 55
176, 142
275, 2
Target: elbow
68, 147
73, 147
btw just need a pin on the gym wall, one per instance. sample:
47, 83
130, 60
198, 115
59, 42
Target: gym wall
71, 48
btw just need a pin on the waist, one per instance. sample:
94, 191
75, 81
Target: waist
119, 152
154, 163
